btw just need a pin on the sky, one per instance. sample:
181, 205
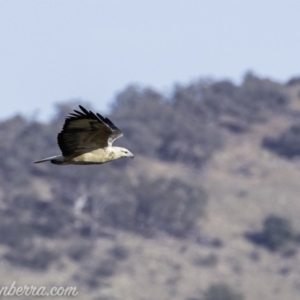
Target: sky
58, 50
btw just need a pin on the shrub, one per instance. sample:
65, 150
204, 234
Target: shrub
119, 252
80, 250
287, 144
106, 268
34, 258
222, 291
209, 261
277, 232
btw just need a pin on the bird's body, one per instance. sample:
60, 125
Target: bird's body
86, 138
99, 156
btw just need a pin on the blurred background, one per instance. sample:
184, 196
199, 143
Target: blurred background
207, 94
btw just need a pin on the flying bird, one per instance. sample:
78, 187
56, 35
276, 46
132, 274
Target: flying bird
87, 138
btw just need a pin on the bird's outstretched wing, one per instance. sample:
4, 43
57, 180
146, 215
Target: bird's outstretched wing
85, 131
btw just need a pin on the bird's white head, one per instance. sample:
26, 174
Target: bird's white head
122, 152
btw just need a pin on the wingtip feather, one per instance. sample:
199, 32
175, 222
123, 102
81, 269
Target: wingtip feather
84, 110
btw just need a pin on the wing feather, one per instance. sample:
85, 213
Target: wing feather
84, 131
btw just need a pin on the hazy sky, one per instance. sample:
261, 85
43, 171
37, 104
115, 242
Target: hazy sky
54, 50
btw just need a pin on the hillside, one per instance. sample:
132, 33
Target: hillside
207, 210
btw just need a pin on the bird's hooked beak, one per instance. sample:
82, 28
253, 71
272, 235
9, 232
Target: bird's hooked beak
131, 155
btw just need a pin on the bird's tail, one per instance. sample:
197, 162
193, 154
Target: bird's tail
57, 159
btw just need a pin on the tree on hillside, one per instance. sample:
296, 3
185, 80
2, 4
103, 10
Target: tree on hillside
277, 232
286, 145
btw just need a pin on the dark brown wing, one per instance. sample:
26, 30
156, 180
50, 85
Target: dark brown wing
85, 131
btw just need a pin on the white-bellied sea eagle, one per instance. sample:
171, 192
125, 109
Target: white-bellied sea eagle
86, 138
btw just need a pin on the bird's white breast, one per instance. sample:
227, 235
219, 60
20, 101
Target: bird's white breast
99, 156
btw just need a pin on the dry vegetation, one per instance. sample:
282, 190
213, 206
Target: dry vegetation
208, 210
